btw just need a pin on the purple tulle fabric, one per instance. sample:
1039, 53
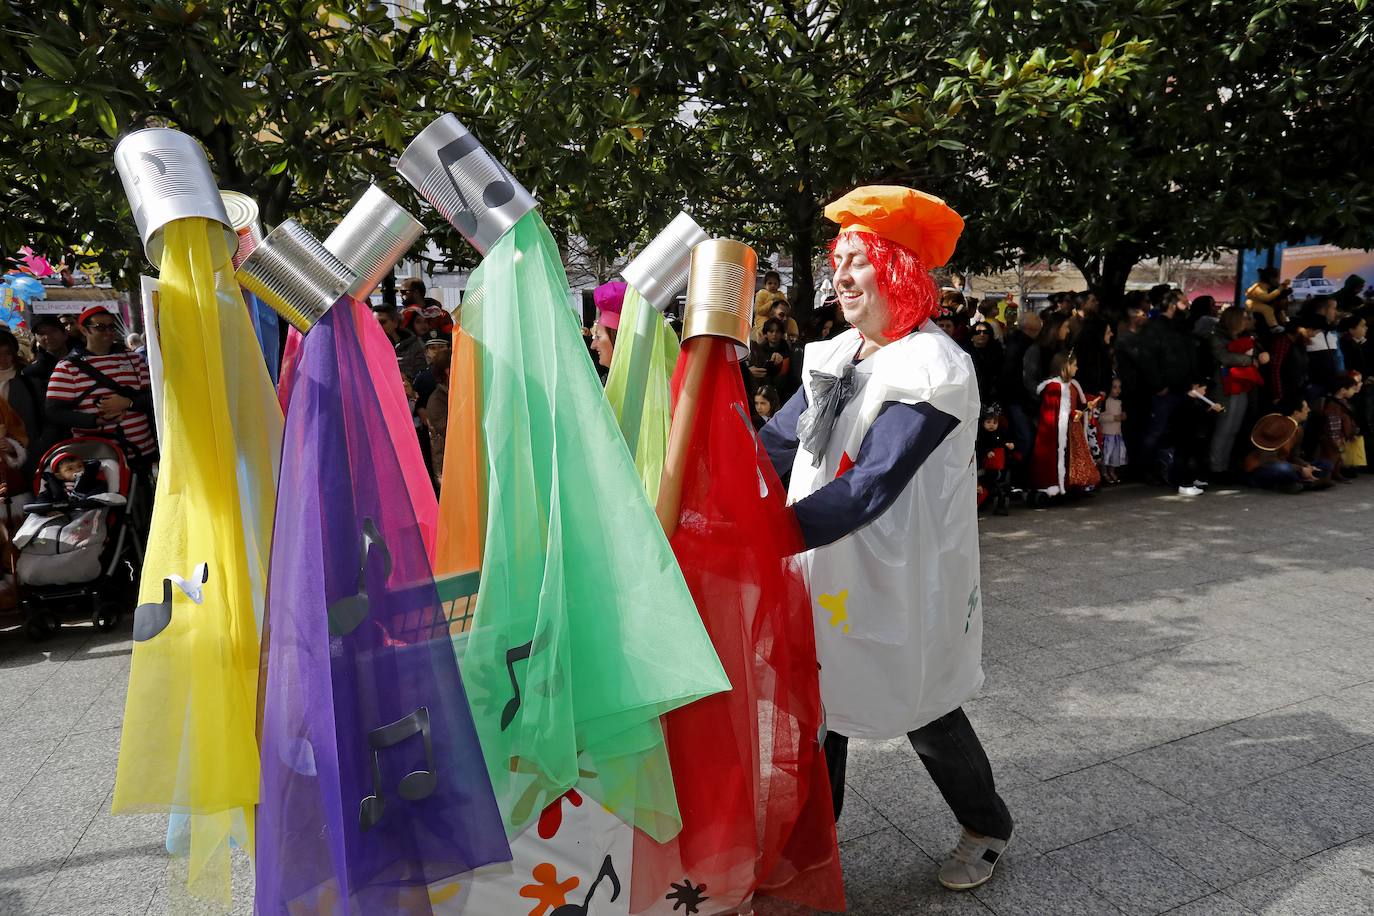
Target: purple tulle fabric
359, 642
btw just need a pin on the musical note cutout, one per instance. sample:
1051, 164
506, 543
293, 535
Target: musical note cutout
687, 895
519, 653
414, 786
346, 614
487, 178
151, 619
584, 908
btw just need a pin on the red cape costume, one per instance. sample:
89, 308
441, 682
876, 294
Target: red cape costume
751, 779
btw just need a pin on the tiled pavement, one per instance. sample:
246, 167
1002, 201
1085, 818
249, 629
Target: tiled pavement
1179, 708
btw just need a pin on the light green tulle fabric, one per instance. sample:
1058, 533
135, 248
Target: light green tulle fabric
585, 632
638, 386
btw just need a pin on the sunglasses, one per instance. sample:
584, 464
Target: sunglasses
981, 331
103, 326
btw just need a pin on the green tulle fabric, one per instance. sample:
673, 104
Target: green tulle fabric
585, 632
648, 397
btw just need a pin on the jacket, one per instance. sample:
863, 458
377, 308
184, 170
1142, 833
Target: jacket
1168, 355
410, 353
1010, 388
1287, 369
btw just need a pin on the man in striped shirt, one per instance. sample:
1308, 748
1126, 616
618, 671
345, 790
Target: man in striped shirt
103, 390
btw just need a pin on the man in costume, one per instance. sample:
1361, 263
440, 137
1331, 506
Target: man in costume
879, 444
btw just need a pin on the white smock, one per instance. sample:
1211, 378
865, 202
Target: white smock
897, 603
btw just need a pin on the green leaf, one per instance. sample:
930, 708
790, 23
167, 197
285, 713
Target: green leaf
51, 61
603, 146
105, 116
946, 143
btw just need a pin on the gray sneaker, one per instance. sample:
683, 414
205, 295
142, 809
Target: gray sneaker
972, 861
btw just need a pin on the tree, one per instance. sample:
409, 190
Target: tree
752, 115
1239, 126
298, 103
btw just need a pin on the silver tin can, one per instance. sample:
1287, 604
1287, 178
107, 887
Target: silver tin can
167, 177
659, 272
243, 216
453, 171
296, 275
372, 238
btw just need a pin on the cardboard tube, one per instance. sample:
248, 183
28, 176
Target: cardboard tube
698, 352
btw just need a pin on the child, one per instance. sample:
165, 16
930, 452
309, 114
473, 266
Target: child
994, 476
1062, 461
1339, 428
1240, 379
1113, 444
71, 479
766, 403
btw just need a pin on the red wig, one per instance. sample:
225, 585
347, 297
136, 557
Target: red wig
902, 279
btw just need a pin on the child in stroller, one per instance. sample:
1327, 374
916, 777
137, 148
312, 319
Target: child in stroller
76, 547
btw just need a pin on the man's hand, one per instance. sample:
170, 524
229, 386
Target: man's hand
758, 372
776, 359
1263, 358
1305, 473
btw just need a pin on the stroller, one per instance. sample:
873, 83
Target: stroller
80, 552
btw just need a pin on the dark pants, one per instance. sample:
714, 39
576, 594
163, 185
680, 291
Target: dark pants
1023, 424
1276, 474
1157, 433
956, 762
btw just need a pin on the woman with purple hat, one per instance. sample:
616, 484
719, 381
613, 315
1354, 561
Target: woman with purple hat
609, 297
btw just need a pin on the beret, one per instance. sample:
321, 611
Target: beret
920, 222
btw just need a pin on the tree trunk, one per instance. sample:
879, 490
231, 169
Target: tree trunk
802, 210
1107, 273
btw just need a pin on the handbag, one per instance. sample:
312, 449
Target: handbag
1354, 454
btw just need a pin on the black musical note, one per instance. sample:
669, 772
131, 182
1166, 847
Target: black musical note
583, 908
152, 618
496, 193
413, 786
518, 654
346, 614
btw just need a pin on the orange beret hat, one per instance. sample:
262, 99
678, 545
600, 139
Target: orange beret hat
923, 223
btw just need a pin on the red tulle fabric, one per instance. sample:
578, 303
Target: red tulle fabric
747, 764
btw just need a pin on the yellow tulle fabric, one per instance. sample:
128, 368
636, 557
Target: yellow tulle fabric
189, 741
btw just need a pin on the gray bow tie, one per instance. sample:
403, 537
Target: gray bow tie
829, 394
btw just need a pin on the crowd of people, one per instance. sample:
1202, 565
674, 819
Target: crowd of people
1272, 393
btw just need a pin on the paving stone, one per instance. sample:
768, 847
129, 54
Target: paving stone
1117, 795
1030, 885
1298, 813
1130, 874
19, 761
1297, 890
1357, 765
885, 873
1047, 819
858, 818
1207, 848
1212, 905
1209, 763
1315, 728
